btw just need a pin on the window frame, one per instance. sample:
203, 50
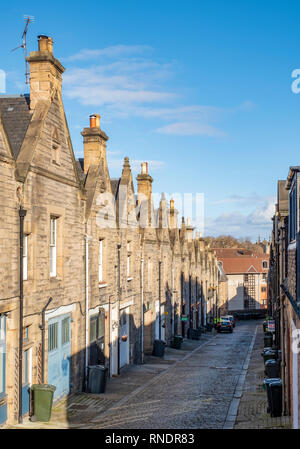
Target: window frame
293, 213
53, 246
100, 262
25, 257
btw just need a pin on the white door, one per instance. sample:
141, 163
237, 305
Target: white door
156, 320
114, 335
124, 337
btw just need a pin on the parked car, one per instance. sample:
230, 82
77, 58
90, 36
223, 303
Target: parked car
224, 325
231, 318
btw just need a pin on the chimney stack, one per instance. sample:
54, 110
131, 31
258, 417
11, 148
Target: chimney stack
189, 230
45, 72
173, 215
94, 142
144, 185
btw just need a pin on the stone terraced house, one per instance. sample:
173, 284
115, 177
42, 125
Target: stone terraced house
82, 281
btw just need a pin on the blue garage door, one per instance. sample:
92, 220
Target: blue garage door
59, 354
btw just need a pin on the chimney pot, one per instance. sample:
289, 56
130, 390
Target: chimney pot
45, 43
93, 121
144, 168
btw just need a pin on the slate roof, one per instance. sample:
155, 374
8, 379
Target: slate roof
115, 186
79, 166
15, 116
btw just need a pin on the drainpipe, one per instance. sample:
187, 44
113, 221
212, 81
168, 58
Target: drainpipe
22, 215
159, 298
119, 299
142, 307
42, 327
173, 302
87, 238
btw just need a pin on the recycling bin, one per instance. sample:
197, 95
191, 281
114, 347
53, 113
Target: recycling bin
177, 341
266, 386
276, 398
268, 340
271, 354
272, 368
158, 348
97, 375
42, 401
265, 350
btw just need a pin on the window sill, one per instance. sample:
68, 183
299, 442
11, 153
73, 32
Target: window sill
102, 284
129, 279
55, 279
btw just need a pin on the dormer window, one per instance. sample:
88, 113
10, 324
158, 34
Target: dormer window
55, 147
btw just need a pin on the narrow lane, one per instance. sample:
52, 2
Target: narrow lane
196, 393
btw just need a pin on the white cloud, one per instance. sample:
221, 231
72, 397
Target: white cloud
128, 83
109, 52
134, 164
257, 222
190, 129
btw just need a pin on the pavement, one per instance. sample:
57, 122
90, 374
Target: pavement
252, 411
213, 383
80, 410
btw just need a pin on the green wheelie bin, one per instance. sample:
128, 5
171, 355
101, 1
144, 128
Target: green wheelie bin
42, 401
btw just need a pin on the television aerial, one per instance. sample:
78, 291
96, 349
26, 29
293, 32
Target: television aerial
28, 20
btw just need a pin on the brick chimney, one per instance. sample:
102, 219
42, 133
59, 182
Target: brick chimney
144, 185
45, 72
94, 143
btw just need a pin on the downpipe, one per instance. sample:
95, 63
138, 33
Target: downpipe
22, 215
87, 238
42, 327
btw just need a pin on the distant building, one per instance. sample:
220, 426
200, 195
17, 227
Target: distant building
247, 274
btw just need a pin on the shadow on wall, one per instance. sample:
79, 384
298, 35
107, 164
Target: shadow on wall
251, 308
70, 369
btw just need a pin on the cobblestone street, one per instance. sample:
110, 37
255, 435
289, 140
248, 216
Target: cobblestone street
195, 393
205, 385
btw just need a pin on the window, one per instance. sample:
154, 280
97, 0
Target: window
264, 289
97, 324
264, 276
265, 264
65, 331
25, 258
26, 333
53, 221
293, 212
100, 261
2, 353
53, 337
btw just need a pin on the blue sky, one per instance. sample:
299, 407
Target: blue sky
201, 90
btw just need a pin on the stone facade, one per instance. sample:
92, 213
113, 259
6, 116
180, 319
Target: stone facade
284, 290
104, 285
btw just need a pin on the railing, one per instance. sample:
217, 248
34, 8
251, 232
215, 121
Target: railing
291, 299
